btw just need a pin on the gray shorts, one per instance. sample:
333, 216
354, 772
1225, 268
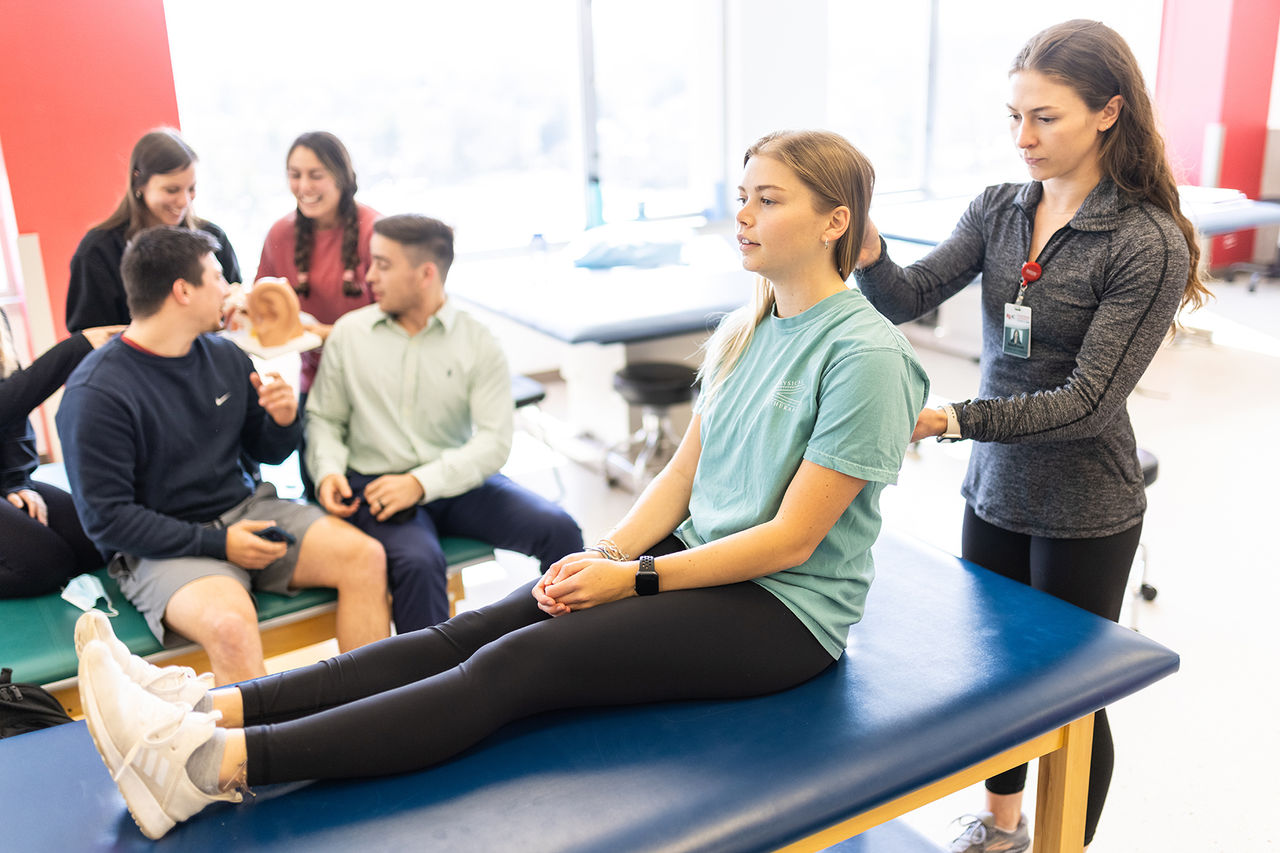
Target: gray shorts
150, 583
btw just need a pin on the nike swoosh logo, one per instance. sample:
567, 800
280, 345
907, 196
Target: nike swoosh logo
220, 400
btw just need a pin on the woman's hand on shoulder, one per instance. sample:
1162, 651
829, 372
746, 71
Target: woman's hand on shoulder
583, 580
99, 335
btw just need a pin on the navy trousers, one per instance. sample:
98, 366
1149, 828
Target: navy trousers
498, 512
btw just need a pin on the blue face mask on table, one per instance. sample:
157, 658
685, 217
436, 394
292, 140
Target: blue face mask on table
83, 591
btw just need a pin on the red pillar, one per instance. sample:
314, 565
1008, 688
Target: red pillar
1213, 90
80, 81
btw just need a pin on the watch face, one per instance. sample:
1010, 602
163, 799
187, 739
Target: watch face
647, 577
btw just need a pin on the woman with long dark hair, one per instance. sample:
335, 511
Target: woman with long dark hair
322, 248
1083, 270
161, 188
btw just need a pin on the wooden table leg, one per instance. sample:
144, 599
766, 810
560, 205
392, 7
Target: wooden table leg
1063, 790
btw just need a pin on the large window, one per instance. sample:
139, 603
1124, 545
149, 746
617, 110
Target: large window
464, 111
878, 85
926, 82
471, 112
659, 102
484, 114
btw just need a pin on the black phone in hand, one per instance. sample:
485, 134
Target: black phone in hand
276, 533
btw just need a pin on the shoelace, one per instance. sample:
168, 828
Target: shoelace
975, 831
166, 677
172, 677
162, 732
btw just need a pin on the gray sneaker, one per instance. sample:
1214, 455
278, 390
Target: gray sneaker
981, 835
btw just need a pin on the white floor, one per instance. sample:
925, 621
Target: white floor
1197, 752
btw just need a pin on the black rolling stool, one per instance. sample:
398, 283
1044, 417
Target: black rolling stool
1144, 590
655, 387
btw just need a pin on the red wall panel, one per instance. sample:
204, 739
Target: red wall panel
80, 81
1216, 65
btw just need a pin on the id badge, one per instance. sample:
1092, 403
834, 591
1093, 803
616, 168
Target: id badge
1017, 330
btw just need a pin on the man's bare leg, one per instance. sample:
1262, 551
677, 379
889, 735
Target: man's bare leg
336, 554
218, 613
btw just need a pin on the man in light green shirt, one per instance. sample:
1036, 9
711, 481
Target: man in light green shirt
410, 419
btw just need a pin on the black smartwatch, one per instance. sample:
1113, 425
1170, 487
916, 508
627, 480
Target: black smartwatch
646, 577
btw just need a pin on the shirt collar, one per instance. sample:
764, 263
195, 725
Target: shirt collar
446, 317
1100, 210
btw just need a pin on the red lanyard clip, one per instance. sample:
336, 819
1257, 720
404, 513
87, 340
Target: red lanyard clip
1031, 271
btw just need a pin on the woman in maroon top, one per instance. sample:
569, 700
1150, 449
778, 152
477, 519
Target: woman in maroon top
322, 248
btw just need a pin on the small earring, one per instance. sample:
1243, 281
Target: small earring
826, 244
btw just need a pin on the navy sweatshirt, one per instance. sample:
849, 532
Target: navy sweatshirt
153, 445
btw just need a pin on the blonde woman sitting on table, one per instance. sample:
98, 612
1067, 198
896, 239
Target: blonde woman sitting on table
753, 544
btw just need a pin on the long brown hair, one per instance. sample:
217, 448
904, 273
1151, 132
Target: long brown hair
333, 155
158, 152
838, 175
1097, 63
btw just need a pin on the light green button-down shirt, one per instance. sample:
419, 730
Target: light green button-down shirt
436, 405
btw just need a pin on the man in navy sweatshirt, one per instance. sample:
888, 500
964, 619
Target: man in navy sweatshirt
154, 425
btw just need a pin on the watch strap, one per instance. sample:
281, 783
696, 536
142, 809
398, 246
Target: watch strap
953, 424
647, 577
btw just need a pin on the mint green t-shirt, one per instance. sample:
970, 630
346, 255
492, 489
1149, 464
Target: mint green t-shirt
839, 386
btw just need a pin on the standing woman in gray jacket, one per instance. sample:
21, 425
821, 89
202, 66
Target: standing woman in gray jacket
1083, 271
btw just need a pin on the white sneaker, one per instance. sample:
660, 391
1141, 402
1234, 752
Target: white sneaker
145, 743
178, 684
981, 835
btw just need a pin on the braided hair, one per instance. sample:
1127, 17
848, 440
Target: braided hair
333, 155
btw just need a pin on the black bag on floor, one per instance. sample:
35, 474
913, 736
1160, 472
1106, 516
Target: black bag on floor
26, 707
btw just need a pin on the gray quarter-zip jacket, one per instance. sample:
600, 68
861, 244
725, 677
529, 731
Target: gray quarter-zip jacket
1054, 451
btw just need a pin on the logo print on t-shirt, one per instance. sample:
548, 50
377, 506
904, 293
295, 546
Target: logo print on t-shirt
218, 401
787, 395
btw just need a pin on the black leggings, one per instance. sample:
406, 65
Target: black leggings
36, 559
1089, 573
416, 699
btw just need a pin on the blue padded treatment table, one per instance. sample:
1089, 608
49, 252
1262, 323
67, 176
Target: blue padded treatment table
608, 306
953, 670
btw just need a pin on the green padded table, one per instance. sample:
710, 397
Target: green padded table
36, 634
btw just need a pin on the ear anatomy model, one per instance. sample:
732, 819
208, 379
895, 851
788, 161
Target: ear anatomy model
273, 312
